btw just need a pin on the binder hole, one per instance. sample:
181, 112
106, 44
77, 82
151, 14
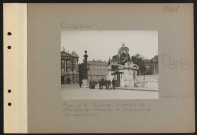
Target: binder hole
9, 91
9, 47
9, 33
9, 104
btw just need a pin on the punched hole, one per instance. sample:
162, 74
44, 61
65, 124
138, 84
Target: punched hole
9, 91
9, 33
9, 47
9, 104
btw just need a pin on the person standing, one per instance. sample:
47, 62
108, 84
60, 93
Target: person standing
99, 84
109, 84
106, 84
102, 82
80, 82
93, 84
113, 83
90, 84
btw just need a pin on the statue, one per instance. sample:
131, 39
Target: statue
124, 55
122, 58
122, 68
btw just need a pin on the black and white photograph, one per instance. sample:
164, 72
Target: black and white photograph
109, 64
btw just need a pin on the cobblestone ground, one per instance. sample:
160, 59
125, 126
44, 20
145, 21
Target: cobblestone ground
147, 89
70, 92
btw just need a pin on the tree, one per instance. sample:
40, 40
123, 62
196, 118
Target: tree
138, 60
109, 61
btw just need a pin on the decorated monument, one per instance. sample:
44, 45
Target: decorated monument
122, 69
85, 70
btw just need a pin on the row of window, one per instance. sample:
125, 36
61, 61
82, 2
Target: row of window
67, 65
97, 72
97, 67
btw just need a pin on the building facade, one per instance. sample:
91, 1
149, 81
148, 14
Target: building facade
97, 69
151, 66
154, 65
69, 68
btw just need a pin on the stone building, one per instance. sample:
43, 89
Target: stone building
97, 69
151, 66
154, 65
69, 67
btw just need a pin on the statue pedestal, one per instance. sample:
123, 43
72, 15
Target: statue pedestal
85, 83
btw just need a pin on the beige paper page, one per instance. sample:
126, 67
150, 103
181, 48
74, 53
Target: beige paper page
47, 112
172, 112
15, 67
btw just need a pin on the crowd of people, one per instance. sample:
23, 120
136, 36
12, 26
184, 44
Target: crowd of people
103, 83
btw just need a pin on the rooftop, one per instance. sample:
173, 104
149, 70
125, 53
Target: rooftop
72, 54
97, 62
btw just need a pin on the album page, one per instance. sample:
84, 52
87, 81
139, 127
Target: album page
106, 68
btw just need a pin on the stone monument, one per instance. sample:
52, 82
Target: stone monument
85, 83
122, 69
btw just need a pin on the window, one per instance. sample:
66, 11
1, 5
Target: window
62, 66
69, 66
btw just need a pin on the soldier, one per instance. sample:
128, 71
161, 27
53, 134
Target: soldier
113, 83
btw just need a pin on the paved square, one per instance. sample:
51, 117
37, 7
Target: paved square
70, 92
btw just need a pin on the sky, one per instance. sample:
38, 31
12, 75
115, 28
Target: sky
102, 44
